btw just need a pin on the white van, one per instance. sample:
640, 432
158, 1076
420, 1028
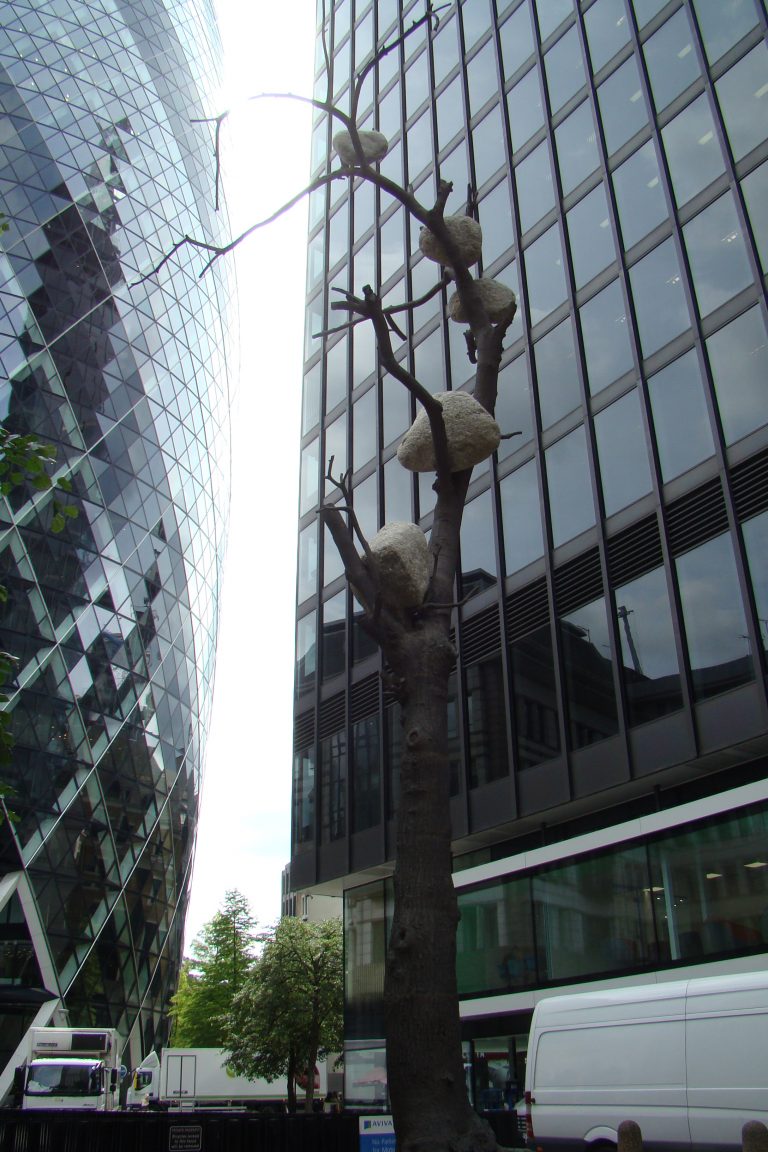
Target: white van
687, 1060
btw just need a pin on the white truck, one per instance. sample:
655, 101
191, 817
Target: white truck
189, 1078
76, 1068
686, 1060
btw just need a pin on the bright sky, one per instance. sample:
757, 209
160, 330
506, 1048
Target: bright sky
244, 831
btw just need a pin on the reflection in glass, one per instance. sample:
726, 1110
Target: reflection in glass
537, 708
738, 357
366, 783
755, 189
671, 59
450, 113
481, 78
660, 306
335, 450
396, 409
604, 331
488, 151
333, 787
723, 25
307, 563
495, 949
677, 401
478, 545
535, 187
397, 491
332, 565
514, 406
551, 14
455, 168
338, 235
418, 140
607, 30
495, 212
521, 518
525, 108
306, 651
756, 543
564, 67
391, 247
693, 150
545, 274
591, 238
428, 362
717, 254
742, 93
649, 658
416, 84
334, 638
364, 428
715, 626
571, 505
445, 50
557, 374
576, 145
639, 195
365, 945
622, 107
516, 35
335, 374
309, 480
365, 497
486, 726
364, 209
621, 448
303, 794
586, 651
310, 403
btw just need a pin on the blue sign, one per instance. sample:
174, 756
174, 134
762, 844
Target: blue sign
377, 1134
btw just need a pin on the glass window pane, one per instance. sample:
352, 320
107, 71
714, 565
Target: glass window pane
335, 450
364, 428
455, 168
678, 401
304, 796
622, 106
622, 452
589, 917
715, 625
516, 35
589, 230
639, 195
723, 25
445, 50
307, 563
557, 374
397, 492
495, 211
645, 10
338, 236
576, 144
475, 20
481, 78
671, 59
535, 186
525, 108
418, 139
336, 374
756, 543
333, 787
649, 658
537, 707
478, 545
366, 781
332, 565
364, 209
306, 651
366, 504
392, 246
551, 14
605, 333
491, 954
450, 113
310, 407
607, 30
416, 84
755, 189
545, 275
309, 482
428, 362
486, 727
572, 508
743, 96
738, 357
586, 651
693, 150
334, 635
717, 254
488, 146
514, 406
521, 518
660, 305
564, 67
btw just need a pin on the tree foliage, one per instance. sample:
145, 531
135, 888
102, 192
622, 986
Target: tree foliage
221, 957
289, 1012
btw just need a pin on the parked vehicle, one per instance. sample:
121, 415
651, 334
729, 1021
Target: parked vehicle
76, 1068
200, 1078
686, 1060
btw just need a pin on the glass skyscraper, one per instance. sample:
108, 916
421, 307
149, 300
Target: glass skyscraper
113, 622
608, 720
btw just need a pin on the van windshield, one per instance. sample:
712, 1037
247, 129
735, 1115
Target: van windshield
65, 1079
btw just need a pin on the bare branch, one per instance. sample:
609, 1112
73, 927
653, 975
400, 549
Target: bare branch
343, 487
430, 15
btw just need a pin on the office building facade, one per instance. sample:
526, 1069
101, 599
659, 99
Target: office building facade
608, 718
112, 621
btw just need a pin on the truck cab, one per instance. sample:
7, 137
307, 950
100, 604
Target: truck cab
70, 1068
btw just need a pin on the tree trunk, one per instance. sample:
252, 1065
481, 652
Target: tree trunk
425, 1070
291, 1078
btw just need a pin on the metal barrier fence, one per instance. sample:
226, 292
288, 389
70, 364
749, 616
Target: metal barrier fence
193, 1132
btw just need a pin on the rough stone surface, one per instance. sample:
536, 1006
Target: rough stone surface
496, 298
402, 556
466, 234
374, 145
473, 435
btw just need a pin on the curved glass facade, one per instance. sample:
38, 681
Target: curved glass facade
113, 621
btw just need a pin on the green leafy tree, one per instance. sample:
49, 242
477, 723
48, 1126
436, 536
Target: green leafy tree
221, 957
290, 1012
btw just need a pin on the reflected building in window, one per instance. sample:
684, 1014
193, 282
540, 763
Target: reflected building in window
112, 621
609, 707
